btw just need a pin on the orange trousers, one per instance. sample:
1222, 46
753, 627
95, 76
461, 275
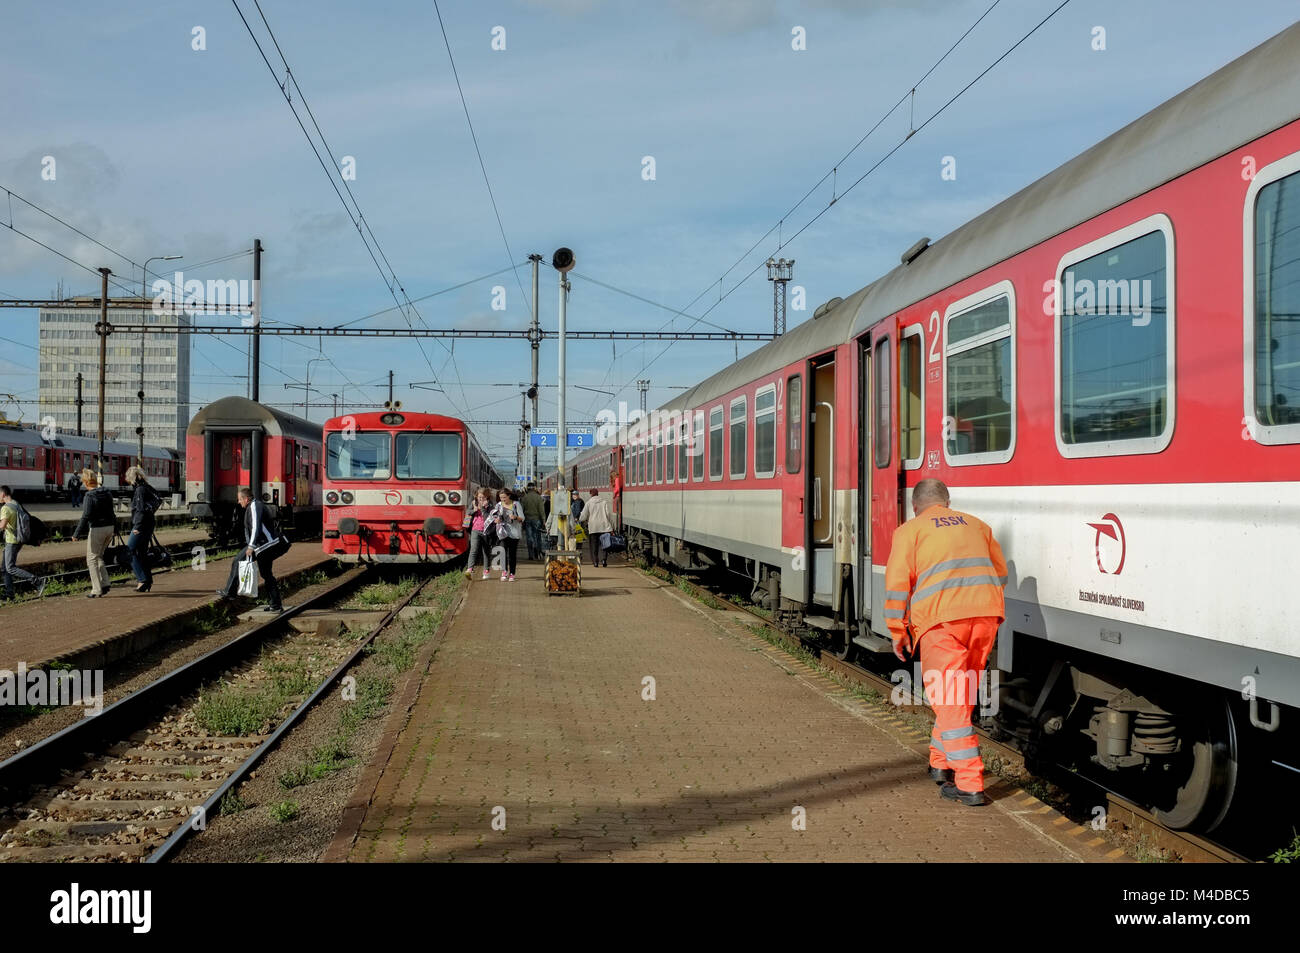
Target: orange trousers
953, 655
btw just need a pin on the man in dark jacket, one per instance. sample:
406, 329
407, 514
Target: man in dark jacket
262, 542
97, 524
534, 520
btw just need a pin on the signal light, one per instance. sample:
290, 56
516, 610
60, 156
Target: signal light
453, 497
440, 498
392, 420
348, 497
331, 497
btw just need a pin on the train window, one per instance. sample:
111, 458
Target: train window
911, 397
428, 456
76, 461
765, 432
659, 458
365, 456
682, 454
978, 380
670, 451
793, 423
884, 397
697, 446
739, 426
245, 454
4, 457
1272, 301
227, 453
1115, 343
715, 443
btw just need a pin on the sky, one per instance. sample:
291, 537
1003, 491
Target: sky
668, 144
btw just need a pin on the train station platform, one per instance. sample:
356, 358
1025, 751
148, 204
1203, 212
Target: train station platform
97, 631
63, 517
537, 734
50, 554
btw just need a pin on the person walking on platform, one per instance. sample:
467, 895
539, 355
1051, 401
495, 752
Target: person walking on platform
534, 519
74, 489
944, 580
552, 530
476, 522
505, 527
144, 502
263, 543
13, 544
98, 524
575, 506
598, 518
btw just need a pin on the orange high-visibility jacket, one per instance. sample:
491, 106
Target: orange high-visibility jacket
943, 565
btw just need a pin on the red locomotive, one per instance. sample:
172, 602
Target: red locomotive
234, 442
397, 486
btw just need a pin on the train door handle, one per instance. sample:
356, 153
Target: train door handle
801, 505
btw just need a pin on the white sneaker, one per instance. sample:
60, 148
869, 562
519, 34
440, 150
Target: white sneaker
485, 574
504, 577
512, 577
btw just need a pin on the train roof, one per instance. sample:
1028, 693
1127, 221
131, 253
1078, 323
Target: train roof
29, 436
1253, 95
242, 412
372, 416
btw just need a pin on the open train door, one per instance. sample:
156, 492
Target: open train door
882, 472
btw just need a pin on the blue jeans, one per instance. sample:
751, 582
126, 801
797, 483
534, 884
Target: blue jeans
10, 569
533, 532
479, 543
137, 545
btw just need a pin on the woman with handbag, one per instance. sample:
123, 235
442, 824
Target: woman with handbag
144, 501
476, 522
507, 521
98, 524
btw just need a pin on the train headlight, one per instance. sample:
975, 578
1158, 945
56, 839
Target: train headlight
453, 497
440, 498
348, 497
331, 497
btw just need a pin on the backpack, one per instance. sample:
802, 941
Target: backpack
30, 529
151, 498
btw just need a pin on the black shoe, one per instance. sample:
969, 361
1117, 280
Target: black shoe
222, 594
273, 608
941, 775
92, 595
951, 792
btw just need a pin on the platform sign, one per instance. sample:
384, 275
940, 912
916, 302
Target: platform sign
579, 437
544, 437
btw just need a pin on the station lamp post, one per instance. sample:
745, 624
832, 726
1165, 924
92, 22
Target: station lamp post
562, 261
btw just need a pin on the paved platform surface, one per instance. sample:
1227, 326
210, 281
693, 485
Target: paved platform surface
533, 714
48, 553
63, 517
55, 627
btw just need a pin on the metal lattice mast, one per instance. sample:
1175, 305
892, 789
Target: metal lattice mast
643, 387
779, 272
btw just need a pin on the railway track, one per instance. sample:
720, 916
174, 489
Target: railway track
1120, 812
134, 782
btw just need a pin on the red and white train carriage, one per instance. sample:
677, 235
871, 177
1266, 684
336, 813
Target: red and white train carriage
234, 442
397, 485
1106, 368
35, 466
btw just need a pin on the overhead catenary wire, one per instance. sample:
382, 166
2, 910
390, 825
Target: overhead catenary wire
912, 131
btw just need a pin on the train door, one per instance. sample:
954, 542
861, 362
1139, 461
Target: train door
233, 468
820, 516
881, 465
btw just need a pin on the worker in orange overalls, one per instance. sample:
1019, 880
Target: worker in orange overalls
945, 576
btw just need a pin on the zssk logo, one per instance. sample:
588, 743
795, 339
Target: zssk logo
1111, 527
393, 497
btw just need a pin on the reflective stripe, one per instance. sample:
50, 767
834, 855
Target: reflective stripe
969, 562
895, 594
937, 746
958, 583
957, 733
893, 613
1002, 580
965, 754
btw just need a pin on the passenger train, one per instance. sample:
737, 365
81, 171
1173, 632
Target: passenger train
35, 466
234, 442
397, 485
1105, 367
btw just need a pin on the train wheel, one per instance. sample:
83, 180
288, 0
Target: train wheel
1205, 774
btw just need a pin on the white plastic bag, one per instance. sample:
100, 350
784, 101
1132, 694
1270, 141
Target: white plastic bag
248, 578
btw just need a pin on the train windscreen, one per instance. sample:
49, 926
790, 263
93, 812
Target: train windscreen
428, 456
359, 456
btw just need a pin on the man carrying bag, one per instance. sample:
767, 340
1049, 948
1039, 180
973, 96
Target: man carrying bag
263, 544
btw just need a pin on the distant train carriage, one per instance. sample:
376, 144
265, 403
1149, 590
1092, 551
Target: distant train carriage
397, 486
236, 442
35, 466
